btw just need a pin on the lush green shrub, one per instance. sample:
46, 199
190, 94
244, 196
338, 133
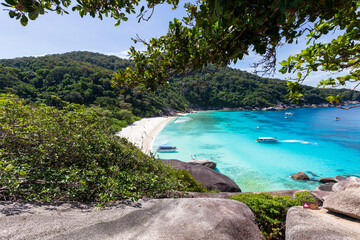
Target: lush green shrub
270, 212
193, 186
50, 154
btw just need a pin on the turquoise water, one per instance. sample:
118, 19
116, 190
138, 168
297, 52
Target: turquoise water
310, 141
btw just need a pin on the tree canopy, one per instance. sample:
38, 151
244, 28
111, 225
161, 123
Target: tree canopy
222, 32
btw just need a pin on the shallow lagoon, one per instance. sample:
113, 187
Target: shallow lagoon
310, 141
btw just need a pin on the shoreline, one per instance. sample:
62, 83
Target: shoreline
142, 133
277, 107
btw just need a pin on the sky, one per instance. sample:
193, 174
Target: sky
52, 33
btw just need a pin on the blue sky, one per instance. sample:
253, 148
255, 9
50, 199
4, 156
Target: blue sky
52, 33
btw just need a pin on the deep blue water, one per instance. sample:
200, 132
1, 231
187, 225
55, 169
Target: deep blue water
310, 141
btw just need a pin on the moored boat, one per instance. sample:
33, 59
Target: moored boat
267, 139
167, 149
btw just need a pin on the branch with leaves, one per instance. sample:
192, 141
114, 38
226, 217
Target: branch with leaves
222, 32
119, 10
340, 54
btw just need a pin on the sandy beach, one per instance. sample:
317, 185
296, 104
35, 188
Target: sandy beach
142, 132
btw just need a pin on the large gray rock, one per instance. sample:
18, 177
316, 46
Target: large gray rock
300, 176
343, 183
204, 162
320, 195
345, 201
309, 224
170, 219
325, 187
339, 178
327, 180
207, 177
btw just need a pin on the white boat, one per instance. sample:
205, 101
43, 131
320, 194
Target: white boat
267, 139
167, 149
289, 113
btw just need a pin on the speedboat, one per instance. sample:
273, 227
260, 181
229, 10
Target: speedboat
267, 139
167, 149
337, 119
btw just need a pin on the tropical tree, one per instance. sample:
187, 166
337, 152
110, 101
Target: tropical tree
221, 32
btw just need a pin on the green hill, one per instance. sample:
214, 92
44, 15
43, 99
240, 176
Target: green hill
85, 78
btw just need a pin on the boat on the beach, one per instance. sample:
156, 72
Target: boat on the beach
267, 139
167, 149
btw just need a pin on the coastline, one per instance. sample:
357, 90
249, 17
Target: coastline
142, 133
277, 107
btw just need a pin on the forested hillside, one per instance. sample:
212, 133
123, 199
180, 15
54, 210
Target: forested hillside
85, 78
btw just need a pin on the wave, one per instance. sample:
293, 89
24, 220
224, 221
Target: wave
182, 119
298, 141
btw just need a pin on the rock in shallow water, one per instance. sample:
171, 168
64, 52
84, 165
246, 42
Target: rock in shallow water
327, 180
207, 177
300, 176
204, 162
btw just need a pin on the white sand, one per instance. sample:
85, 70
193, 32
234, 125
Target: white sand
142, 133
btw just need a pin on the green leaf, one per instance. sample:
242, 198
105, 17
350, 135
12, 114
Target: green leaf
12, 14
24, 20
33, 15
11, 2
299, 75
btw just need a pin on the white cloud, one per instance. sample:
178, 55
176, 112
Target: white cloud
122, 54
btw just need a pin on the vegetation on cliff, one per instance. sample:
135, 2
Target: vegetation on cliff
69, 153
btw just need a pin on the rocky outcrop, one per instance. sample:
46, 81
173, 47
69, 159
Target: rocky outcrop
300, 176
173, 219
319, 225
345, 182
339, 217
209, 178
320, 195
204, 162
325, 187
345, 201
327, 180
339, 178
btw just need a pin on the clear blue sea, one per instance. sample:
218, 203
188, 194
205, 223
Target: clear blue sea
310, 141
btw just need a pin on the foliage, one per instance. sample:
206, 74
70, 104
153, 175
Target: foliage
117, 9
341, 53
270, 212
193, 186
49, 154
221, 32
